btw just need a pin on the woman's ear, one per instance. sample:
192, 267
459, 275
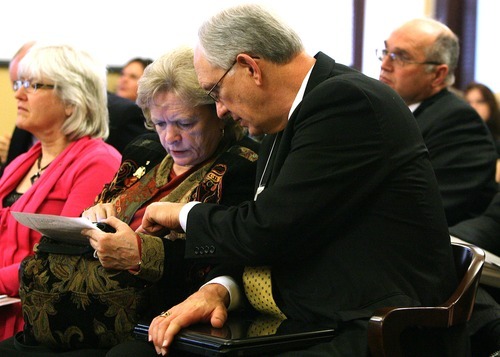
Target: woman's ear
68, 110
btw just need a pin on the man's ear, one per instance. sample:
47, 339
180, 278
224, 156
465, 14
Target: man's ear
251, 65
440, 74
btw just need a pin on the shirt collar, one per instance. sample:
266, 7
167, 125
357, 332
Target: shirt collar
300, 93
414, 106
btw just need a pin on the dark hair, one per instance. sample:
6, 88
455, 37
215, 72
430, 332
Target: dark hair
143, 61
493, 121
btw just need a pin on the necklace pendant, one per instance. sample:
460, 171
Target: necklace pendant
40, 169
35, 177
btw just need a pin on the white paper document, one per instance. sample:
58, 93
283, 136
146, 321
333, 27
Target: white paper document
7, 300
64, 229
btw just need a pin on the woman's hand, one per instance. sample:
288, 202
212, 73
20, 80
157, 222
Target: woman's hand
206, 305
160, 216
99, 212
118, 250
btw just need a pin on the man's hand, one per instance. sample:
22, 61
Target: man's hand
161, 215
206, 305
4, 147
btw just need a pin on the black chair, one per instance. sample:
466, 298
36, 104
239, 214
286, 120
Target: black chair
387, 325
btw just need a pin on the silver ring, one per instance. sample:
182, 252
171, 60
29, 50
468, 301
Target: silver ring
95, 254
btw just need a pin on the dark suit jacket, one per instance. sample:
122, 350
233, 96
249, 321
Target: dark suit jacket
126, 121
462, 153
484, 230
351, 219
21, 141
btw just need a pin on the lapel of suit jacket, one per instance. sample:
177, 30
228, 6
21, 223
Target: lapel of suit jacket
324, 68
268, 155
428, 102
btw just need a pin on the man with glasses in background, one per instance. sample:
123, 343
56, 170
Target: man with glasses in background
418, 62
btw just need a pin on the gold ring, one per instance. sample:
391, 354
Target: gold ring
165, 314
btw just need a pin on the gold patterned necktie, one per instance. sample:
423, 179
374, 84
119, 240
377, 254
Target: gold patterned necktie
258, 290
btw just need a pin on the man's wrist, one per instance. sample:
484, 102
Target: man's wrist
231, 287
183, 214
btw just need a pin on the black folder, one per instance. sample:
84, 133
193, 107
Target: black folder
246, 336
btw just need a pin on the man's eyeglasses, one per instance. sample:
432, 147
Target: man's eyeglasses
400, 58
30, 87
214, 94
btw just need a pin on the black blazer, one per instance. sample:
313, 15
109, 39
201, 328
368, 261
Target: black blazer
484, 230
462, 153
351, 219
126, 121
20, 142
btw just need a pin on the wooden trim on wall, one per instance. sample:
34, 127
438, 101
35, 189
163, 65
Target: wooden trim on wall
114, 69
358, 28
460, 17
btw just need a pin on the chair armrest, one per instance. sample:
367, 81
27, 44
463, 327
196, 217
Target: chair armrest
392, 321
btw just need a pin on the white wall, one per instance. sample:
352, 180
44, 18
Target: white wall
384, 15
487, 44
381, 17
117, 30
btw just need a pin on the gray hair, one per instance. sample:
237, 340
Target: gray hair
247, 29
174, 72
80, 82
446, 49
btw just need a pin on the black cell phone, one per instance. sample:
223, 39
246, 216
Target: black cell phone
105, 227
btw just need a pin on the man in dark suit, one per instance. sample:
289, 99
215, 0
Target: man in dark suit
347, 213
126, 121
418, 62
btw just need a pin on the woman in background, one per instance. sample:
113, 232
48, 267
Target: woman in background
129, 77
482, 98
61, 100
